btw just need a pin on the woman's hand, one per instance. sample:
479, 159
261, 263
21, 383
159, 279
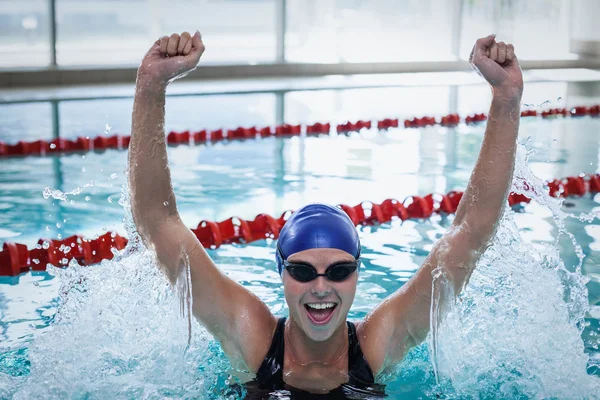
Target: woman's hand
170, 58
498, 64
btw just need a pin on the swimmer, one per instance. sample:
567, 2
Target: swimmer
315, 350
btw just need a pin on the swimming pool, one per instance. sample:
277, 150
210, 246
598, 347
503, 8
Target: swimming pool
122, 333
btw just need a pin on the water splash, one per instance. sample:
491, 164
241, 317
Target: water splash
64, 196
121, 331
515, 331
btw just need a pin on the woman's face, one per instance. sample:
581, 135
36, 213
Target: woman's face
320, 306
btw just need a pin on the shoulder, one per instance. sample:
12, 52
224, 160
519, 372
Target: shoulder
255, 343
376, 337
371, 348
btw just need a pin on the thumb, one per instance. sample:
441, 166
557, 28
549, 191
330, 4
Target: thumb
197, 42
488, 40
483, 44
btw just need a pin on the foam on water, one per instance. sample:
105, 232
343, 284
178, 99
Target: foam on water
515, 330
121, 331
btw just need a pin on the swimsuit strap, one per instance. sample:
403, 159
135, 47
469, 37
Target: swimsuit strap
359, 370
270, 373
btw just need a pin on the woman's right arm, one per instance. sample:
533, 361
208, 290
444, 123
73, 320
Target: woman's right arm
229, 311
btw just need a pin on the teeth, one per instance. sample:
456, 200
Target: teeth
321, 306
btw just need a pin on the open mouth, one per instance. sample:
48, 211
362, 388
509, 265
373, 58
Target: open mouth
320, 313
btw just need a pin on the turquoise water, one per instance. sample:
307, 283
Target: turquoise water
121, 331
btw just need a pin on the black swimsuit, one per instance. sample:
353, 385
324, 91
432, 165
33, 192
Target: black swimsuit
361, 380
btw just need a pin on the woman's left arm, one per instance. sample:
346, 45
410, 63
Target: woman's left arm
402, 320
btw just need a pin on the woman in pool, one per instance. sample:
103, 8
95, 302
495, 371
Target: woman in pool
318, 254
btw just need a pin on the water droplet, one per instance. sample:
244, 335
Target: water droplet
559, 100
36, 261
72, 201
107, 128
83, 157
554, 141
64, 261
82, 169
113, 176
47, 229
166, 203
93, 252
87, 198
110, 199
36, 284
45, 245
59, 236
58, 225
52, 146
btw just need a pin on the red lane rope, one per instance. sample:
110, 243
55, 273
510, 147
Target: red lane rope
16, 258
100, 143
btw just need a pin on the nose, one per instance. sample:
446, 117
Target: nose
321, 287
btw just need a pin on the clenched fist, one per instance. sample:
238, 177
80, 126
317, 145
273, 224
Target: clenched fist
498, 64
171, 57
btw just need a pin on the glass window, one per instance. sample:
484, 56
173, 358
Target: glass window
539, 29
24, 33
330, 31
120, 32
585, 34
240, 31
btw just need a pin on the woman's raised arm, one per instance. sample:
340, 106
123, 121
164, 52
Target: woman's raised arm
402, 320
240, 320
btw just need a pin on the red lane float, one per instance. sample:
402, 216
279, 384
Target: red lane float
100, 143
15, 258
529, 113
554, 112
475, 118
419, 122
387, 123
353, 126
318, 129
450, 120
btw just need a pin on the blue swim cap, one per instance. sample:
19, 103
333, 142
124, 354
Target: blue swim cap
317, 226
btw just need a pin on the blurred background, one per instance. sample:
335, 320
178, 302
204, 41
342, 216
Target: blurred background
46, 33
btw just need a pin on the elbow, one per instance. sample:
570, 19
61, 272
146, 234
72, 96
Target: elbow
149, 225
476, 234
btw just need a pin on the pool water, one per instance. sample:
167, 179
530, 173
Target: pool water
122, 332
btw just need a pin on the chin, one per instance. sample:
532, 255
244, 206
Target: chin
319, 334
324, 332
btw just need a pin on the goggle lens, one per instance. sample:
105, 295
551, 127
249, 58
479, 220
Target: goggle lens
307, 273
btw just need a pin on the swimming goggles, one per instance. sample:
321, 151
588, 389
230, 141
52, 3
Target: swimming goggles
304, 272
